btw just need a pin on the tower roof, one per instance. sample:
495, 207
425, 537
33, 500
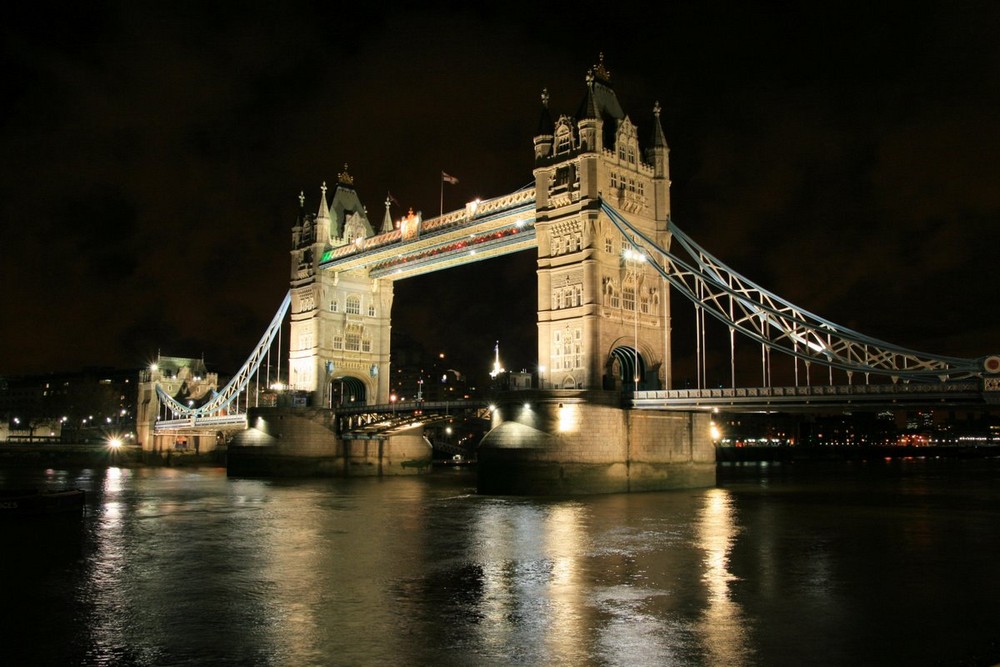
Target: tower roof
600, 102
346, 202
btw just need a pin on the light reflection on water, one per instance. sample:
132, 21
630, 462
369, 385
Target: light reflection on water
187, 567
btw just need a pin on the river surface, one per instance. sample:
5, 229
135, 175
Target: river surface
887, 563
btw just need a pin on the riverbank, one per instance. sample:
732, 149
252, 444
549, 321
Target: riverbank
88, 455
797, 454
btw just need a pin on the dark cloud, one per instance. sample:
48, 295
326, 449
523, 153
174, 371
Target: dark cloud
843, 156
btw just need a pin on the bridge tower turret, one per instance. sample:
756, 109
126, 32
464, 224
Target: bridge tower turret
340, 321
603, 313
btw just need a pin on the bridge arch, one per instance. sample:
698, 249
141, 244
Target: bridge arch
348, 390
625, 367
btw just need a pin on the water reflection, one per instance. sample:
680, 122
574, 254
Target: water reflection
190, 567
530, 596
722, 627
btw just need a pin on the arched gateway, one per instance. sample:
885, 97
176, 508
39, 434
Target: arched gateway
603, 313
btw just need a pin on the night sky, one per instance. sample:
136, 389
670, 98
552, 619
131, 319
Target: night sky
845, 156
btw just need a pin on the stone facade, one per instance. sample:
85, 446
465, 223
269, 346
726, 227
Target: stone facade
340, 321
296, 442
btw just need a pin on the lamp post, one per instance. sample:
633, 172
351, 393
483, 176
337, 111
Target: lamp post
634, 259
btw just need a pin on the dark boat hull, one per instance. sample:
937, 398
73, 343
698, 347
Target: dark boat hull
33, 503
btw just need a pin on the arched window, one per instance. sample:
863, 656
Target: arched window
353, 305
371, 310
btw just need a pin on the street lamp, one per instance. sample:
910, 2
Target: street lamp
634, 259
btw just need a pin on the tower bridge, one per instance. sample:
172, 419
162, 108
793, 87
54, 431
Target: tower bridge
605, 415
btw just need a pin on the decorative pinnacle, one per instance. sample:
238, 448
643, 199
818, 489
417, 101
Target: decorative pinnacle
601, 70
323, 188
656, 109
344, 177
590, 77
545, 97
302, 199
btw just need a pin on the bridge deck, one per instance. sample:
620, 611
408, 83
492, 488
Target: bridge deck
810, 397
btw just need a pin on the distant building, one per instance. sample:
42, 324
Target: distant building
74, 406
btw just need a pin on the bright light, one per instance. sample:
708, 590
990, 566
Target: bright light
447, 430
114, 443
716, 433
153, 367
632, 255
527, 406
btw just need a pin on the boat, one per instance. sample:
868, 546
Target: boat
30, 503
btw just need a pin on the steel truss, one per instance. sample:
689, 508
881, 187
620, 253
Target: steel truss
221, 400
760, 315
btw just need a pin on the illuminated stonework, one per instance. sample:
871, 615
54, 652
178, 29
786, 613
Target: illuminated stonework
339, 347
603, 313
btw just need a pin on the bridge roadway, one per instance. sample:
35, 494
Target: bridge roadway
373, 422
806, 398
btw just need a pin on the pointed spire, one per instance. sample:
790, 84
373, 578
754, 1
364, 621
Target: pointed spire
589, 108
387, 225
545, 124
302, 211
659, 138
324, 208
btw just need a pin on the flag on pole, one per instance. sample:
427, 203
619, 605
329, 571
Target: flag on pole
392, 199
448, 178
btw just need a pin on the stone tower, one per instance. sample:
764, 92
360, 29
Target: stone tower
603, 312
340, 321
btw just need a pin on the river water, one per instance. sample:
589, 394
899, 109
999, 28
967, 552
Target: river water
886, 563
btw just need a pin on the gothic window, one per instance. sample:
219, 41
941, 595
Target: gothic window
366, 345
567, 350
371, 310
577, 349
614, 181
608, 246
353, 342
631, 154
334, 306
338, 342
353, 305
641, 188
628, 296
621, 152
564, 139
644, 305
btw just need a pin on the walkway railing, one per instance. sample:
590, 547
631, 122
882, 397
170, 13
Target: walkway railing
809, 396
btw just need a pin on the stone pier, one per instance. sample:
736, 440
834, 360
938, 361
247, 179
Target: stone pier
570, 442
302, 442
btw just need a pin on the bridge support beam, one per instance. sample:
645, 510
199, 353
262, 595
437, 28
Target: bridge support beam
302, 442
563, 442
